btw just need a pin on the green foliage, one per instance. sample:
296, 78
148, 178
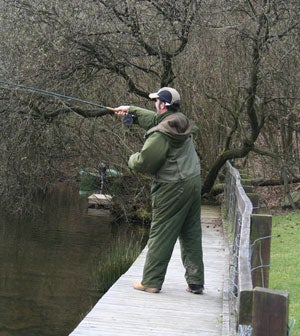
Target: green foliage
89, 180
121, 256
285, 266
144, 213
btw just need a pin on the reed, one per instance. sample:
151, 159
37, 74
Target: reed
122, 254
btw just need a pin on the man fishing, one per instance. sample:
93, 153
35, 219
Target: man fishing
169, 155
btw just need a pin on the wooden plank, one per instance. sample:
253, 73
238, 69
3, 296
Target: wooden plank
125, 311
245, 287
245, 281
100, 199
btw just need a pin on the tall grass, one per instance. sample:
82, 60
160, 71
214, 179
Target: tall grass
285, 262
121, 256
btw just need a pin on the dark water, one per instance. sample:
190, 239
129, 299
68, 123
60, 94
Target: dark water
47, 266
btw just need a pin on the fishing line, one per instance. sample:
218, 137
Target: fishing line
127, 120
51, 93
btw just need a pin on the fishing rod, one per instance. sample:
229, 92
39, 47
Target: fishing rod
51, 93
128, 119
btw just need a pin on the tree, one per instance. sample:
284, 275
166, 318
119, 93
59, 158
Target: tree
256, 44
235, 64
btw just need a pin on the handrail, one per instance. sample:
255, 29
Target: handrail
255, 306
239, 209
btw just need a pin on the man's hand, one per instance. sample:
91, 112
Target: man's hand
121, 110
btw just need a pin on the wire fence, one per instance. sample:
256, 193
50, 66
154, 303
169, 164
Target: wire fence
238, 211
250, 235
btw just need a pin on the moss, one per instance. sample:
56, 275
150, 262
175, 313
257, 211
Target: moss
144, 214
247, 182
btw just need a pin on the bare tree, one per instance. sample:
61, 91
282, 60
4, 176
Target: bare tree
248, 76
235, 64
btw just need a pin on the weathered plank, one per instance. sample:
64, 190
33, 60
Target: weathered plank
125, 311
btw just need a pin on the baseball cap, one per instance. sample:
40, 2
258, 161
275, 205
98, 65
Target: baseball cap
167, 95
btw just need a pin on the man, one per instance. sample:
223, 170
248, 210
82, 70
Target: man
168, 154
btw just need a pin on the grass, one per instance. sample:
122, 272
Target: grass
122, 254
285, 262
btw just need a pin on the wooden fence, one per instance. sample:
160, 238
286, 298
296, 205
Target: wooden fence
257, 310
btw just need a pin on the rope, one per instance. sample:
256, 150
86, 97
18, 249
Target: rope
50, 93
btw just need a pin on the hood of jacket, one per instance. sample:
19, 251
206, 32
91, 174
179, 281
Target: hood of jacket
175, 125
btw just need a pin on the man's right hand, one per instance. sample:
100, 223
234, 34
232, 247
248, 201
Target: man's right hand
121, 110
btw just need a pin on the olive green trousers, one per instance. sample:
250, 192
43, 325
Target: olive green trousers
175, 214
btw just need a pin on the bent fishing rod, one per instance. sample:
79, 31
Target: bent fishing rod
51, 93
127, 119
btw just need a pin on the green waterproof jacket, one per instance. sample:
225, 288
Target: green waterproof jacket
168, 152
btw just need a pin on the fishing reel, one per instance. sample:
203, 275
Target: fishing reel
128, 119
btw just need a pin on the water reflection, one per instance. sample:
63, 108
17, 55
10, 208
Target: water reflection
46, 267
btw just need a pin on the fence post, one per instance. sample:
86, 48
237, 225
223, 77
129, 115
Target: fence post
260, 239
270, 312
254, 198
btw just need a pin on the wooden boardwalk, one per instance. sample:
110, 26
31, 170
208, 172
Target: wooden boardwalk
124, 311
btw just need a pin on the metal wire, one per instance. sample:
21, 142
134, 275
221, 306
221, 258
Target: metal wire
235, 216
262, 266
245, 330
291, 327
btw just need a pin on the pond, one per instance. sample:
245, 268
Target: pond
47, 265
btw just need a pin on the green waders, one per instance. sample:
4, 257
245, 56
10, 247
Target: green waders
176, 214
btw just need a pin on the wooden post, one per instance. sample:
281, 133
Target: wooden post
270, 312
261, 230
246, 182
245, 307
248, 189
254, 198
